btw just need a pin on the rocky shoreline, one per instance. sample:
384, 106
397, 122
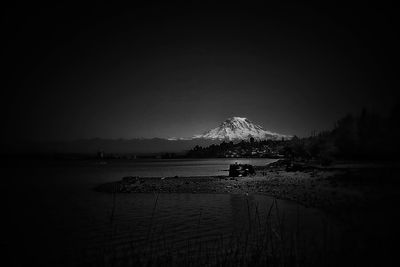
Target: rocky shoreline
338, 189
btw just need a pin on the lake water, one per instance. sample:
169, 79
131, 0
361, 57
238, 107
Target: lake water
54, 216
172, 167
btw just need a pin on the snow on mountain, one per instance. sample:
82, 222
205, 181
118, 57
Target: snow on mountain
238, 128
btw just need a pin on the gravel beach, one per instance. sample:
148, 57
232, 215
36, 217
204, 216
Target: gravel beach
341, 189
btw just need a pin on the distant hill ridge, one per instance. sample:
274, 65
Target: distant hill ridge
232, 129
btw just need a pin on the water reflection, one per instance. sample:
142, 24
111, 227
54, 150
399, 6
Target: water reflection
57, 217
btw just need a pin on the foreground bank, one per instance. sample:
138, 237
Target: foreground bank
337, 189
361, 198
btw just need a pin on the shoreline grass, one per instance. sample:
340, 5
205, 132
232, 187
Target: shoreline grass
264, 240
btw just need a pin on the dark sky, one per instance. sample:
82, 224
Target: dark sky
166, 71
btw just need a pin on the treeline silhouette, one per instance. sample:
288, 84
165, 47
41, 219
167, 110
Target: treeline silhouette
366, 136
249, 148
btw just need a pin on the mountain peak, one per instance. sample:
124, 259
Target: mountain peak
239, 128
237, 119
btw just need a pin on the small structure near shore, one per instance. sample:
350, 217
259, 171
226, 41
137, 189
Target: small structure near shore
238, 170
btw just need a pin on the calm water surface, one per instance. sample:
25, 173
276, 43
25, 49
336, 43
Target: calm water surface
55, 216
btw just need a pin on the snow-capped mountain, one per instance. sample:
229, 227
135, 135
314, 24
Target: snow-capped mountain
238, 128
